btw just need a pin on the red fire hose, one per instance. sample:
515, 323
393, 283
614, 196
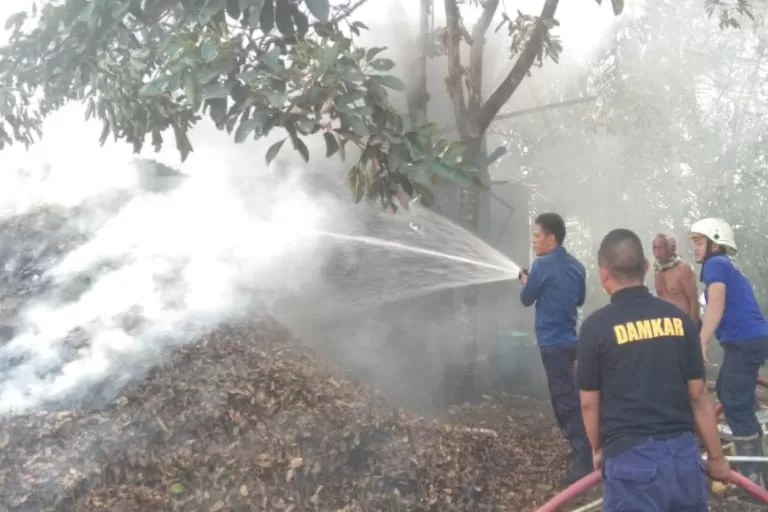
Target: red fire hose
570, 493
593, 479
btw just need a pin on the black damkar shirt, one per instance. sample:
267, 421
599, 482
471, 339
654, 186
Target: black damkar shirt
640, 352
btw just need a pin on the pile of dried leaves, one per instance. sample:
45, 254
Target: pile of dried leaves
245, 420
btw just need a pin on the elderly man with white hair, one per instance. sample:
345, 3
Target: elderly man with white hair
675, 279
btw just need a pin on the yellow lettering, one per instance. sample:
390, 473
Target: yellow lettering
669, 329
644, 329
656, 327
678, 322
621, 334
648, 329
632, 332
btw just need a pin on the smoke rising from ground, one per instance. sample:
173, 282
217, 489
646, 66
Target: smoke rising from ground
152, 270
140, 271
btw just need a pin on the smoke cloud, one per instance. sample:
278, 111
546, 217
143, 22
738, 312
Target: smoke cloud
139, 272
109, 263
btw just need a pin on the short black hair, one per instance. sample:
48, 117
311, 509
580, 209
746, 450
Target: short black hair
553, 224
621, 254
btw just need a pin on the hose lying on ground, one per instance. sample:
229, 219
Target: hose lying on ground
591, 480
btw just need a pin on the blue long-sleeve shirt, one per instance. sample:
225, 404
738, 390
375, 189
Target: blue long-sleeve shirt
557, 285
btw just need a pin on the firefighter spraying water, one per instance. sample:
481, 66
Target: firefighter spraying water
556, 284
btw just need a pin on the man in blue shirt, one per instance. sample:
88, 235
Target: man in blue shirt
556, 283
734, 317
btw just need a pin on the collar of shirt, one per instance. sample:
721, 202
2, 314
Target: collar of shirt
630, 293
557, 251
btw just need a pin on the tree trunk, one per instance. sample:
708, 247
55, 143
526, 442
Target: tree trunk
473, 117
418, 93
474, 206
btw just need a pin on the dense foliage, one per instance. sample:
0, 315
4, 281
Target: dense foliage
252, 66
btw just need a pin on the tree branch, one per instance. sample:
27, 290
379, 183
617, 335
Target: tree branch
512, 81
544, 108
453, 80
347, 11
476, 54
533, 110
418, 95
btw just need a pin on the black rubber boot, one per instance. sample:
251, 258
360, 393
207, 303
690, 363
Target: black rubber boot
750, 447
581, 464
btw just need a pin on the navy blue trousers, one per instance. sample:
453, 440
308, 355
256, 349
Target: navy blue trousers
560, 367
736, 383
656, 476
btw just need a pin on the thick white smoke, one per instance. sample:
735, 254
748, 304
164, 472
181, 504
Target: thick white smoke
156, 268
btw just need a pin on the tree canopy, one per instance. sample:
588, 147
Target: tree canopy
250, 65
145, 67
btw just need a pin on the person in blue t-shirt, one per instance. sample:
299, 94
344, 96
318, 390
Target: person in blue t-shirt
734, 317
556, 283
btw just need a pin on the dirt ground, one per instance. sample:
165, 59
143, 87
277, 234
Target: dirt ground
248, 420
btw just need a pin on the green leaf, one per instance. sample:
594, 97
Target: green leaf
356, 181
247, 126
211, 9
320, 9
300, 20
404, 182
15, 21
154, 87
373, 52
350, 98
254, 6
382, 64
233, 9
254, 9
217, 110
424, 194
274, 149
105, 129
267, 18
271, 59
299, 146
216, 90
284, 18
331, 144
192, 88
618, 6
329, 56
454, 151
86, 15
209, 51
390, 81
356, 125
396, 157
452, 173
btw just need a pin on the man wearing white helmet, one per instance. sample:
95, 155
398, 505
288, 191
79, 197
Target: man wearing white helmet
734, 317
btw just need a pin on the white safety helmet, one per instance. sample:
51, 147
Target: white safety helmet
718, 231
